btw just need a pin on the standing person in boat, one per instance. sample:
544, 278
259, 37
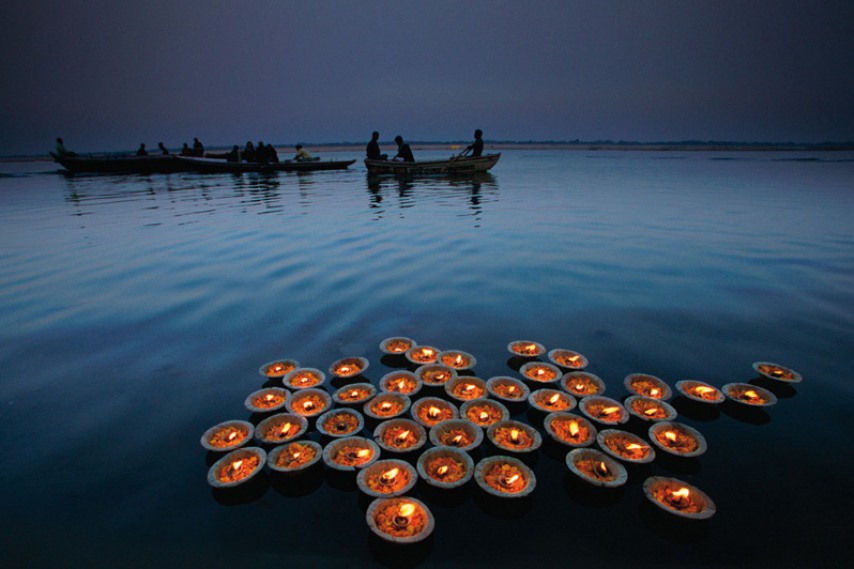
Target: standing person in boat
142, 151
404, 153
373, 149
163, 149
198, 148
302, 154
476, 147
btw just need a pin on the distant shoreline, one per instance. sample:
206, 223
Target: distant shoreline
284, 149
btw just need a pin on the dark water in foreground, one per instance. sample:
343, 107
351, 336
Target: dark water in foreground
136, 310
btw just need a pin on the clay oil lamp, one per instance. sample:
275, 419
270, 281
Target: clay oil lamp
460, 434
354, 394
647, 385
507, 389
677, 439
505, 477
647, 409
401, 381
386, 478
400, 520
397, 345
309, 402
700, 392
551, 400
436, 375
678, 498
346, 368
350, 453
582, 384
466, 388
280, 428
340, 423
237, 467
567, 359
748, 394
569, 429
526, 349
596, 468
227, 436
484, 412
776, 372
514, 436
625, 446
430, 411
387, 406
540, 372
266, 400
420, 355
400, 435
604, 410
277, 369
457, 360
294, 457
445, 467
304, 378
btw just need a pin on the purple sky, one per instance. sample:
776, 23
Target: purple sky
107, 75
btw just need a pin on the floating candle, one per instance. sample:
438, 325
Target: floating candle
750, 395
349, 367
540, 372
505, 477
777, 372
679, 498
568, 359
227, 436
526, 348
647, 386
277, 368
445, 467
514, 436
400, 520
625, 446
582, 384
237, 467
700, 392
304, 377
677, 439
396, 345
596, 468
484, 412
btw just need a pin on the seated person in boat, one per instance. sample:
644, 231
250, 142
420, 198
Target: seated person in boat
373, 149
261, 155
198, 148
302, 154
476, 147
61, 150
163, 149
142, 151
271, 154
249, 152
186, 150
404, 153
234, 154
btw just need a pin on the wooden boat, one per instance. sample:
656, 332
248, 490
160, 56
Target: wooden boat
457, 165
119, 164
218, 165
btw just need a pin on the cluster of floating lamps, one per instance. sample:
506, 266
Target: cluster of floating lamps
471, 411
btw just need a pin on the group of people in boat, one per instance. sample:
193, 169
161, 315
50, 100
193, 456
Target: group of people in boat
404, 152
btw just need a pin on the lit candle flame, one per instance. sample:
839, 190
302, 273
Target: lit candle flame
354, 394
402, 436
344, 369
609, 410
654, 392
680, 498
389, 475
285, 429
554, 399
235, 466
442, 470
406, 510
457, 440
650, 412
427, 352
573, 428
295, 455
573, 359
459, 360
511, 389
602, 469
633, 446
468, 387
401, 385
269, 397
579, 387
514, 435
363, 453
510, 480
386, 406
539, 372
703, 390
308, 405
483, 415
531, 349
670, 436
750, 394
232, 436
433, 411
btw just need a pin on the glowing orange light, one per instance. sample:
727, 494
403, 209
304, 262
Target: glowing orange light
514, 435
573, 428
670, 436
483, 416
389, 475
406, 510
285, 429
433, 411
232, 436
363, 453
457, 440
402, 436
554, 399
442, 470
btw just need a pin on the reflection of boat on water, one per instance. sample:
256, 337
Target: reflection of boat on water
220, 165
119, 164
456, 166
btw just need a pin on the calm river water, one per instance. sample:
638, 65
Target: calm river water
136, 311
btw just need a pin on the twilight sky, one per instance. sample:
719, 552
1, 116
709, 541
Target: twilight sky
107, 75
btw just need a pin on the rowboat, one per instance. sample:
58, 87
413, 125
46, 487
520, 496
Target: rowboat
218, 165
119, 164
457, 165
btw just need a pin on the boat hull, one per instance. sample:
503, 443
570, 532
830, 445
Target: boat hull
453, 167
216, 165
152, 164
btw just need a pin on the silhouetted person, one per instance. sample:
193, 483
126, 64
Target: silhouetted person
249, 152
404, 153
476, 147
61, 150
302, 154
198, 148
373, 148
272, 155
234, 154
261, 155
186, 150
141, 151
162, 149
